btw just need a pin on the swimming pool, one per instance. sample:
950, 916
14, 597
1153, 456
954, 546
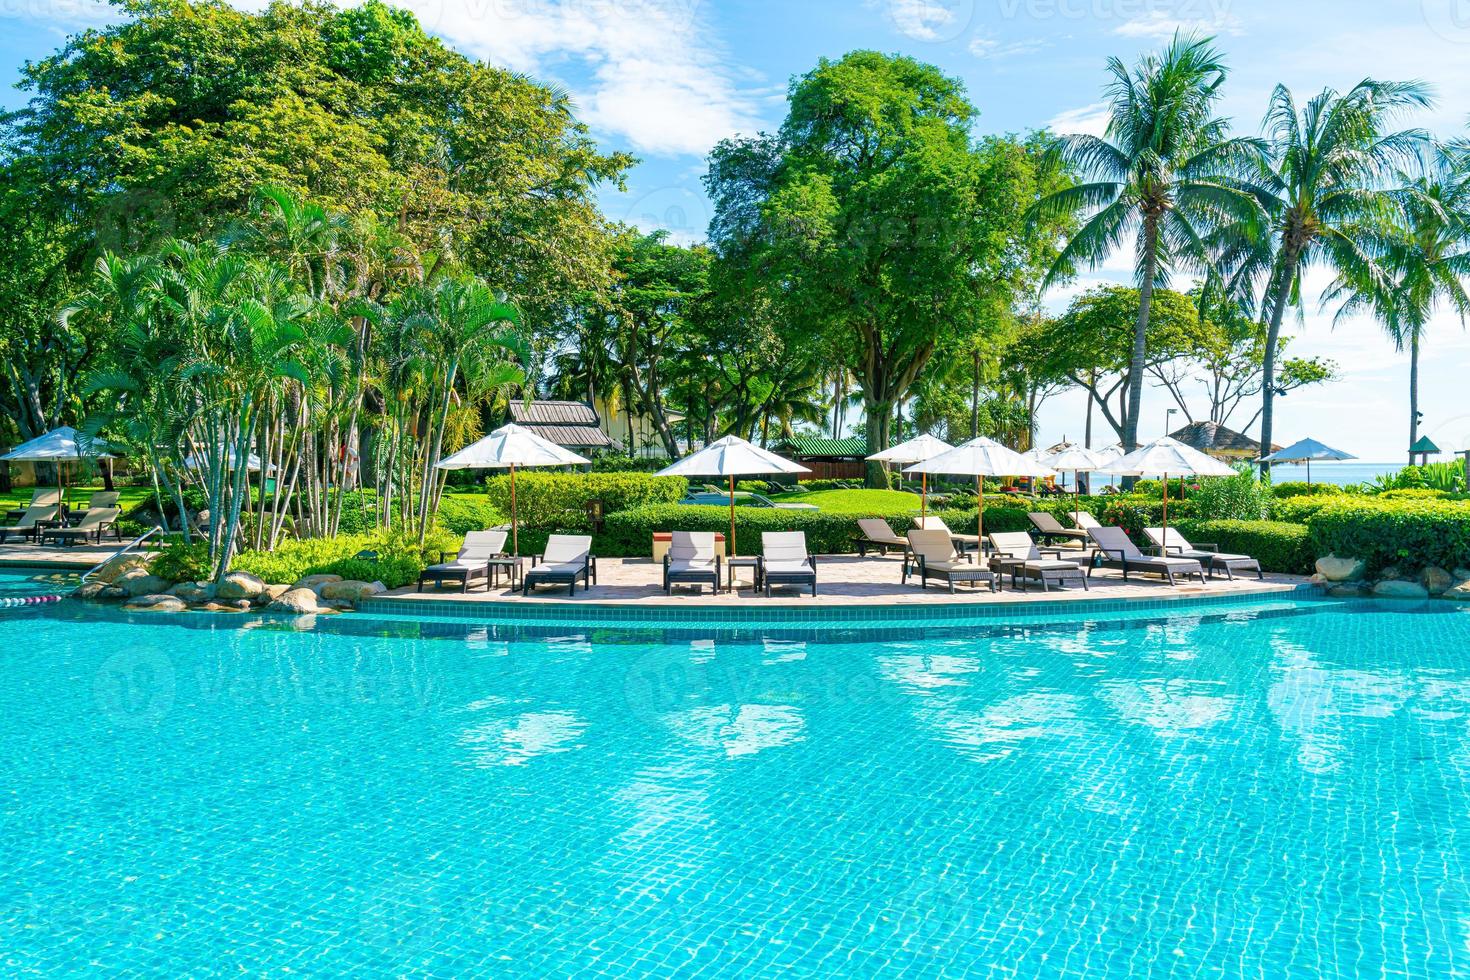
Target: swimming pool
1251, 789
22, 582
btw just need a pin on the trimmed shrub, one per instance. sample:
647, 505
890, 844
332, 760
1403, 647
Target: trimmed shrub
753, 486
1278, 546
314, 556
1133, 514
1296, 510
394, 572
462, 513
551, 499
1301, 488
1414, 493
1408, 534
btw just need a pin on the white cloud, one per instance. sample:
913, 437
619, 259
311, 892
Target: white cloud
655, 76
987, 47
1091, 119
927, 20
1158, 25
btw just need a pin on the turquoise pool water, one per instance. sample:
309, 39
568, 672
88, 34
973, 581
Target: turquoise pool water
21, 582
1256, 790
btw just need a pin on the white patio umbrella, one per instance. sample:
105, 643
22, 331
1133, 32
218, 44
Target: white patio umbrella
730, 457
508, 448
981, 458
60, 446
1076, 459
1163, 457
1304, 452
194, 461
916, 450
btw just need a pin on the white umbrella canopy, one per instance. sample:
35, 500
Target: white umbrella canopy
1077, 459
1167, 456
730, 457
61, 445
916, 450
980, 458
252, 462
1164, 458
1305, 452
507, 448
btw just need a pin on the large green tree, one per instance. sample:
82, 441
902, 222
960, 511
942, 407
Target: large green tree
1421, 257
1165, 181
1330, 163
875, 219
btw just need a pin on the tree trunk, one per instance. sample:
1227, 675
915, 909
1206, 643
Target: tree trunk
880, 421
1413, 392
975, 394
1137, 364
1285, 275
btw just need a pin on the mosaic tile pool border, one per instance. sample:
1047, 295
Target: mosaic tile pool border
606, 614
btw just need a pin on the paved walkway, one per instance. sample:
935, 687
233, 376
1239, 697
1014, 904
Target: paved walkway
845, 580
81, 556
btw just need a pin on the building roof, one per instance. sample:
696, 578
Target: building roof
552, 413
573, 425
1217, 440
816, 446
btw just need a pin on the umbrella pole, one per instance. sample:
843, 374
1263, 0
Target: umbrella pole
980, 518
1077, 497
515, 536
732, 515
1166, 513
924, 500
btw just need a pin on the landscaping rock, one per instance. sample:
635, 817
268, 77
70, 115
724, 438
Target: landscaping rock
193, 593
315, 582
1460, 593
114, 570
137, 581
243, 605
90, 590
220, 607
296, 601
1335, 569
274, 592
351, 590
113, 592
156, 603
1347, 591
1436, 581
1400, 589
239, 585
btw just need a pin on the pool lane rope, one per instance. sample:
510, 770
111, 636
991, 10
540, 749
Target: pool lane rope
29, 600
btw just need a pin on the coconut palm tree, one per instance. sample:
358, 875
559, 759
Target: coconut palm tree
1328, 166
1421, 256
1166, 177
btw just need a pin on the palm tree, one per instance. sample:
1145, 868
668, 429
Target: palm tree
1327, 166
1422, 255
1166, 175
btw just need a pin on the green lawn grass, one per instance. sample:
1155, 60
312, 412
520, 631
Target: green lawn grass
128, 497
854, 501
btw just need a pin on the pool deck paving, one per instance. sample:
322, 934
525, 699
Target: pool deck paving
78, 557
845, 580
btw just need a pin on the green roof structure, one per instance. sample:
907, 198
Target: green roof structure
816, 446
1425, 445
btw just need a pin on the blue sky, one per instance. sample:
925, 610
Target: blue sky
666, 79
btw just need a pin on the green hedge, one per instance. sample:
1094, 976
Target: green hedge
461, 513
1297, 510
400, 559
1278, 546
1408, 534
553, 499
1301, 488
